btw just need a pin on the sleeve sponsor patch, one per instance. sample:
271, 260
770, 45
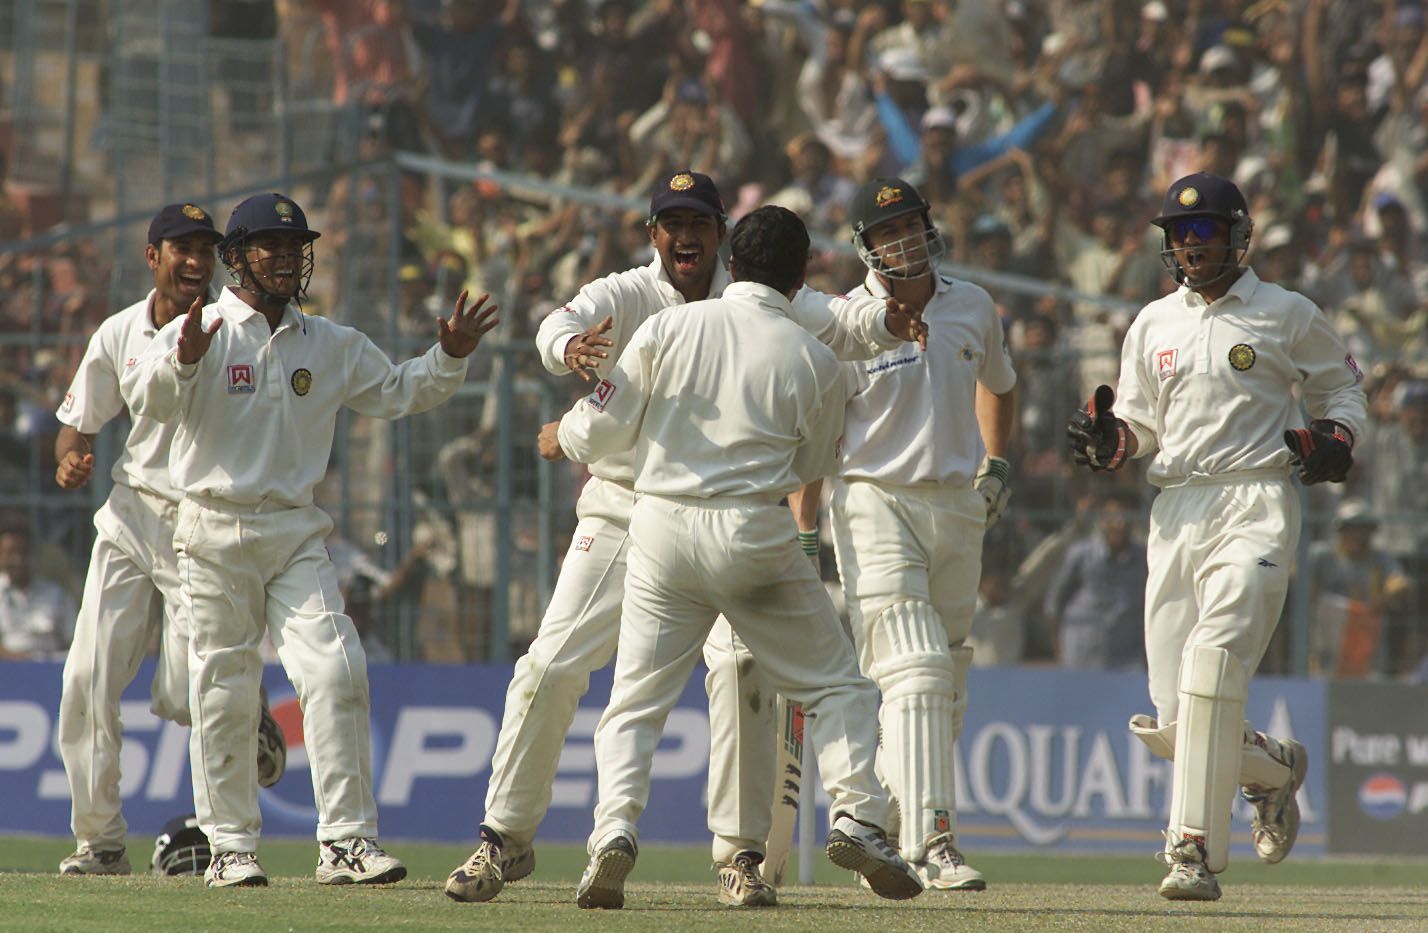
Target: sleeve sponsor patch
1353, 365
602, 395
68, 401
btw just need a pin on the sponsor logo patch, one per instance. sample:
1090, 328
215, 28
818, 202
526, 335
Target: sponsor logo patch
1165, 362
1353, 365
301, 381
240, 379
1383, 797
68, 401
1242, 356
584, 542
602, 395
941, 821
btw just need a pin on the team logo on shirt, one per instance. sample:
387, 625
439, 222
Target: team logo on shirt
967, 353
301, 381
1165, 362
1242, 356
602, 395
240, 379
584, 542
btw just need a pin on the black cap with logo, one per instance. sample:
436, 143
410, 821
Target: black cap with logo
883, 199
179, 220
686, 189
1202, 195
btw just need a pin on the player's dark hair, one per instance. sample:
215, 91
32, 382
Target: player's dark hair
769, 246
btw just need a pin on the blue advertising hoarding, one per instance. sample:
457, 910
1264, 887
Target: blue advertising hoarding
1045, 763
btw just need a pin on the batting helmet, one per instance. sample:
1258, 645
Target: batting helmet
884, 199
182, 848
1203, 194
266, 213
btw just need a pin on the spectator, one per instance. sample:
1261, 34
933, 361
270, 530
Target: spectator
36, 614
1359, 597
1096, 602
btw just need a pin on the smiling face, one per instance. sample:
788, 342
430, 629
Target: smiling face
901, 245
276, 264
182, 269
688, 245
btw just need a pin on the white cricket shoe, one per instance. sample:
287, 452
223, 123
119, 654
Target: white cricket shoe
356, 860
235, 869
742, 884
944, 868
603, 884
1189, 879
1276, 810
865, 850
489, 869
87, 861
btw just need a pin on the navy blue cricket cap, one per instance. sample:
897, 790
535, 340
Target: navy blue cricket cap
1202, 195
687, 189
263, 213
180, 220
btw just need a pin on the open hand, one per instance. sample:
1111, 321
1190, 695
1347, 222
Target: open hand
463, 332
905, 322
583, 353
194, 338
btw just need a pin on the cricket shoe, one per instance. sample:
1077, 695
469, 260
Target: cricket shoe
603, 884
1275, 825
865, 850
944, 868
235, 869
87, 861
1189, 879
272, 746
489, 869
356, 860
742, 884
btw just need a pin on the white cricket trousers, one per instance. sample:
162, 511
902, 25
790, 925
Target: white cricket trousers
1219, 555
244, 570
689, 560
577, 636
130, 592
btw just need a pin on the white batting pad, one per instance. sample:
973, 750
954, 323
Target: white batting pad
914, 668
1213, 689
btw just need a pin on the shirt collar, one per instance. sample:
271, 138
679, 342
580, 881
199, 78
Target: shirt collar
760, 294
1243, 290
150, 328
231, 305
875, 286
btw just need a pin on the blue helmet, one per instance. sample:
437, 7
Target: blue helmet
266, 213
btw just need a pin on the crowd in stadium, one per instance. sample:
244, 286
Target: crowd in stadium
1043, 132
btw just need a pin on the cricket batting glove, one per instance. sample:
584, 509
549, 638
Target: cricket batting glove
1096, 436
992, 482
1323, 451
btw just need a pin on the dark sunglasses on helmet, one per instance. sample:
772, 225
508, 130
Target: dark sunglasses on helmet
1204, 228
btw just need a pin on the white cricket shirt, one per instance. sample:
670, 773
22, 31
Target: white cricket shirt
851, 326
911, 417
1209, 388
725, 397
256, 415
94, 399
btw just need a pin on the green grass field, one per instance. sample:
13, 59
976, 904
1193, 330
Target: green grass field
672, 888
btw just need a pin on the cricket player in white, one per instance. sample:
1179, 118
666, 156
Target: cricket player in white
580, 628
132, 588
728, 405
254, 386
1208, 387
922, 475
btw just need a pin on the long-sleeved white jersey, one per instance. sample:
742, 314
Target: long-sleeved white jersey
1209, 388
852, 327
93, 400
911, 417
256, 415
725, 397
